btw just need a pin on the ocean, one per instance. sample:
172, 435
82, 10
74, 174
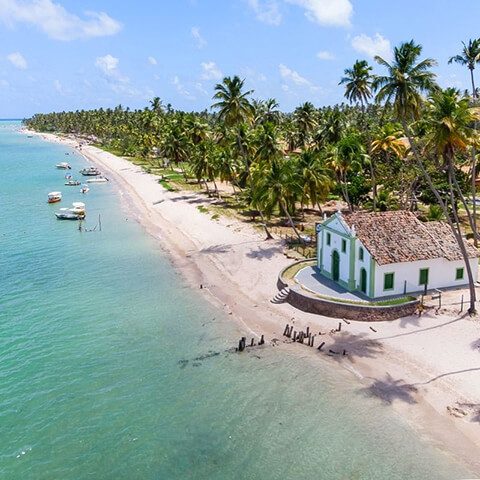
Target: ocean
112, 368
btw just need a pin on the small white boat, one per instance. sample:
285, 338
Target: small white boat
78, 207
98, 180
54, 197
90, 171
72, 183
77, 212
84, 189
63, 166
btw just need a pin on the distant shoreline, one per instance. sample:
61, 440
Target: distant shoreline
238, 269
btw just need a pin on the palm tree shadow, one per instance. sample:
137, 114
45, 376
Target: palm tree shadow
474, 408
355, 346
413, 320
264, 253
389, 390
475, 345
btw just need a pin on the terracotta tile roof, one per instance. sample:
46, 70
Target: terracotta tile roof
395, 237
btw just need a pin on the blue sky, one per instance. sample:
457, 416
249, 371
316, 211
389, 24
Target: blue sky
69, 54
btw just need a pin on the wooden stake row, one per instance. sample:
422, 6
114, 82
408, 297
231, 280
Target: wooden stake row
242, 343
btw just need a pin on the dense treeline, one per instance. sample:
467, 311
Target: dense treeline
401, 141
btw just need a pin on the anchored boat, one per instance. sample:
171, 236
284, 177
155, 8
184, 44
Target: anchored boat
54, 197
77, 212
100, 179
72, 183
90, 171
63, 166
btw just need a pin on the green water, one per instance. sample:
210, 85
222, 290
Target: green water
111, 368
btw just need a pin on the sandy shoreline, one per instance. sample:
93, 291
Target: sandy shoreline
418, 365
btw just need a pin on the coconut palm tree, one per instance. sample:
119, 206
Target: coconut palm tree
314, 176
358, 83
305, 122
402, 88
233, 104
388, 140
405, 81
276, 185
345, 157
470, 56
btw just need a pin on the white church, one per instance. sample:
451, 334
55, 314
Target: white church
390, 253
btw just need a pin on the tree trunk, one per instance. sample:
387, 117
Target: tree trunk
290, 221
474, 193
464, 202
374, 183
474, 91
264, 223
461, 243
458, 238
319, 208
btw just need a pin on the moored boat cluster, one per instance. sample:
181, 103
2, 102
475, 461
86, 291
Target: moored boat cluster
77, 211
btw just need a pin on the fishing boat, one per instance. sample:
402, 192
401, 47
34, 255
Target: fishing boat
77, 212
72, 183
63, 166
100, 179
90, 171
54, 197
84, 189
67, 214
78, 207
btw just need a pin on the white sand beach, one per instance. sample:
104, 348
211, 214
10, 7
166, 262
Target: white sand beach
419, 366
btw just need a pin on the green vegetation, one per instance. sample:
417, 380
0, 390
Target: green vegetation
402, 142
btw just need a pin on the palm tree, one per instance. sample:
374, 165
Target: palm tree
358, 83
276, 185
345, 157
405, 81
305, 122
470, 56
388, 140
156, 105
314, 176
233, 104
402, 88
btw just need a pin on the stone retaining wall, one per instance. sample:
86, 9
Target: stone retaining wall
307, 302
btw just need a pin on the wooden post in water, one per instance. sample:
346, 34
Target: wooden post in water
461, 308
308, 331
99, 223
294, 335
252, 342
320, 346
262, 340
339, 326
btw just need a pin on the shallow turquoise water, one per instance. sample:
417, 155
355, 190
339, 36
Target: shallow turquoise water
111, 368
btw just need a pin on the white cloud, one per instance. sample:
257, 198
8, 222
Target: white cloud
293, 76
56, 21
181, 89
17, 60
115, 79
108, 65
267, 11
4, 83
371, 46
211, 71
57, 85
325, 55
197, 36
152, 60
326, 12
